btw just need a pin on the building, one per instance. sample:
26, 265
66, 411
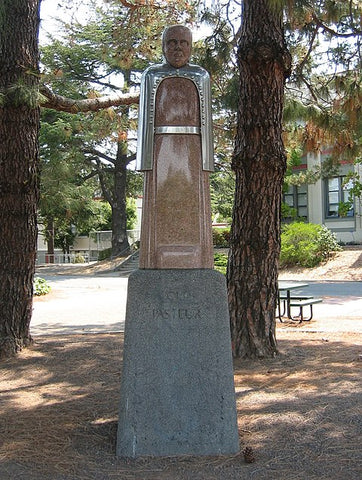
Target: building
319, 202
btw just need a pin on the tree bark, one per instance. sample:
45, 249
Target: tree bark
259, 163
50, 238
116, 194
19, 127
120, 244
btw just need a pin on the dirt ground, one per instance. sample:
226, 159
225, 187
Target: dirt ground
300, 412
344, 265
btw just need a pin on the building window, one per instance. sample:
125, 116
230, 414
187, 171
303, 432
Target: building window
337, 193
296, 198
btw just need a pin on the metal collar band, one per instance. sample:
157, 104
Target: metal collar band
182, 129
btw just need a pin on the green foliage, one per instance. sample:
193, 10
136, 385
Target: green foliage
102, 219
115, 39
329, 168
306, 244
327, 242
21, 94
217, 54
134, 184
221, 237
104, 254
41, 286
289, 212
353, 177
79, 259
63, 235
344, 208
323, 95
324, 90
222, 186
355, 192
68, 186
220, 262
131, 210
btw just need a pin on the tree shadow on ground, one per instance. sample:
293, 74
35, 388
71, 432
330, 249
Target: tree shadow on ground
298, 411
304, 405
358, 262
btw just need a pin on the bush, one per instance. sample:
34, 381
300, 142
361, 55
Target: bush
79, 259
221, 237
220, 262
289, 212
41, 286
306, 244
104, 254
327, 242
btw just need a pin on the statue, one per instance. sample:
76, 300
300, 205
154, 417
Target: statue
177, 390
175, 151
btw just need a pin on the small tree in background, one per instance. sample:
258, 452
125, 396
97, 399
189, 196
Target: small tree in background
105, 57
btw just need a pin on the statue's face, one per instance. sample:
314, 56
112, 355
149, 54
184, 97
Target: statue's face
177, 45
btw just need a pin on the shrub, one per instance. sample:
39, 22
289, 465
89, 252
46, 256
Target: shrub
327, 243
79, 259
226, 236
306, 244
104, 254
220, 262
289, 212
221, 237
41, 286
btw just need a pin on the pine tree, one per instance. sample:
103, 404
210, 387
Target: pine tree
92, 60
19, 179
259, 163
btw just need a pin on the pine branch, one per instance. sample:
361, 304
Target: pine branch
132, 157
133, 5
87, 177
64, 104
100, 154
307, 55
335, 33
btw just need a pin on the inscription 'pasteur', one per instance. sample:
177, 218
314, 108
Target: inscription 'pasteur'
176, 314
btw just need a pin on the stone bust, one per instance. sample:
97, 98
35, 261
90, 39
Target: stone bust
177, 45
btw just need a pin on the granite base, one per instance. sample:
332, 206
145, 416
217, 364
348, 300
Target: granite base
177, 389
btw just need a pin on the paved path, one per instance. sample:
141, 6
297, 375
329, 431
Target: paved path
341, 301
91, 304
81, 305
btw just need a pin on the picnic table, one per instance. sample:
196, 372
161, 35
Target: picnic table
289, 301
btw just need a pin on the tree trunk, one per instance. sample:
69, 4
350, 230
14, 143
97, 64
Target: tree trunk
50, 238
259, 163
19, 126
120, 244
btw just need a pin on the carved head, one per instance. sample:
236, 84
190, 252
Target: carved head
176, 45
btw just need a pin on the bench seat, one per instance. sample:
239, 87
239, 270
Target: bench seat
284, 298
302, 302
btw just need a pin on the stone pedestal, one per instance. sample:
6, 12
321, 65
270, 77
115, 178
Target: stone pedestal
177, 391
